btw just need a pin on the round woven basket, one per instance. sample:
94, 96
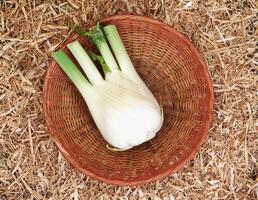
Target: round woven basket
177, 76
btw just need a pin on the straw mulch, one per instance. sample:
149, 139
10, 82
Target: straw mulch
225, 32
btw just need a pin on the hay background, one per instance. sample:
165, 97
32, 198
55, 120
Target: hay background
225, 32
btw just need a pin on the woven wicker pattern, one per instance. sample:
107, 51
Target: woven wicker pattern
177, 76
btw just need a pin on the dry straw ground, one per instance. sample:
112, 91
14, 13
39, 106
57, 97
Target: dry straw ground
225, 32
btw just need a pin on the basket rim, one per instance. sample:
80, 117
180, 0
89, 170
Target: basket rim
180, 165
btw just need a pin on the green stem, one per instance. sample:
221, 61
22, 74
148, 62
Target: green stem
71, 71
85, 62
120, 52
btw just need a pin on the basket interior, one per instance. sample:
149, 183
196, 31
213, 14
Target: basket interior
177, 77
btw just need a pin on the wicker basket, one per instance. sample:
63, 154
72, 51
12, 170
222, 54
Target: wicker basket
178, 77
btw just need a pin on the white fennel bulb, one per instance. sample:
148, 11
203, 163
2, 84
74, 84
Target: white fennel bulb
122, 106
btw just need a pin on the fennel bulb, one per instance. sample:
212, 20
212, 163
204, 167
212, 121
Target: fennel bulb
123, 108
